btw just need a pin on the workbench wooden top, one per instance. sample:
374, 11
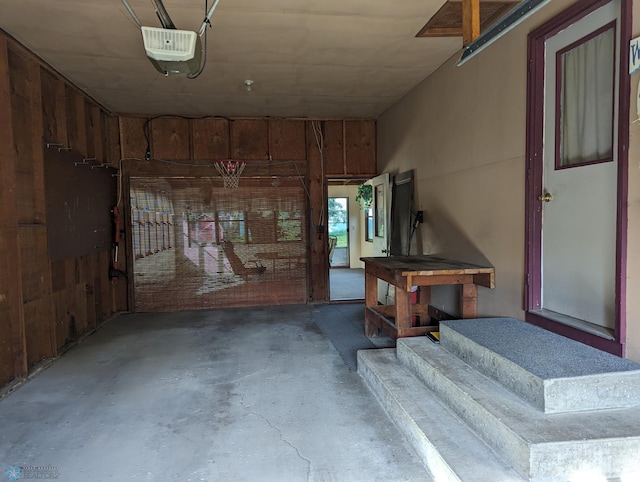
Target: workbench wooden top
426, 265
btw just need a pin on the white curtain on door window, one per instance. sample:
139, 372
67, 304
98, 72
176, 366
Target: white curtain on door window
587, 101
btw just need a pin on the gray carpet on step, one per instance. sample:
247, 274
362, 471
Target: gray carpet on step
541, 352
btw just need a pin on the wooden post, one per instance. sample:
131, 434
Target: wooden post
470, 21
469, 300
371, 299
403, 311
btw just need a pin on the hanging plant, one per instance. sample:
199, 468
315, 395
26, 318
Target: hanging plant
364, 196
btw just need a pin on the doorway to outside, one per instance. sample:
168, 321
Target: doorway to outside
338, 210
346, 233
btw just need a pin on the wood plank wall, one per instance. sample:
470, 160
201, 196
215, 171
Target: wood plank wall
44, 305
312, 149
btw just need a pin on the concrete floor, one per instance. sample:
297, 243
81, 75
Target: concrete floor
227, 395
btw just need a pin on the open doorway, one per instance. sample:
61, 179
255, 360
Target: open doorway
345, 232
338, 211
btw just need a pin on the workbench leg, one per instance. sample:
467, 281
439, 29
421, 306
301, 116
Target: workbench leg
424, 298
469, 300
370, 299
403, 311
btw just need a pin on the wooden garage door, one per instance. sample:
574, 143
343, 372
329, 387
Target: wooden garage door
198, 245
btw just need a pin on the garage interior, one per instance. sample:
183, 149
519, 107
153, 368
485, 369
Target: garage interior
156, 324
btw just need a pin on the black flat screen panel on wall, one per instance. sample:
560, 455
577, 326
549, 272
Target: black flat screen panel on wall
79, 199
401, 211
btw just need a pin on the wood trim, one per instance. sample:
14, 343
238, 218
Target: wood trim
624, 89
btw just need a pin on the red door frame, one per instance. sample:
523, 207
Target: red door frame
534, 171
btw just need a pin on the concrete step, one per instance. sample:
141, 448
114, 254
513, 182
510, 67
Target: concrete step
446, 446
541, 447
553, 373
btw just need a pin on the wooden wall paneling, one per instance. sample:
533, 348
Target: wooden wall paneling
250, 140
62, 129
40, 344
22, 141
88, 278
210, 139
319, 262
93, 128
287, 139
62, 319
133, 143
76, 121
49, 86
60, 302
13, 357
170, 138
37, 135
80, 297
111, 139
105, 285
360, 141
36, 278
97, 288
334, 161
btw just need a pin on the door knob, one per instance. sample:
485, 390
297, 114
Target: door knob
546, 197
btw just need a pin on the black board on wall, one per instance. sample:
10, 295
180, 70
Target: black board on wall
79, 196
401, 213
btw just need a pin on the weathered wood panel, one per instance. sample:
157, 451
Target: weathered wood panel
250, 139
360, 143
38, 315
13, 359
37, 135
36, 282
76, 121
111, 139
94, 131
210, 139
87, 280
132, 139
19, 79
105, 285
49, 84
333, 135
287, 139
170, 138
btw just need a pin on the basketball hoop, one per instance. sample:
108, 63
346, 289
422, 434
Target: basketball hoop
230, 172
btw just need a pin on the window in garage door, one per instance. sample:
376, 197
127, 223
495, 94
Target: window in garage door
198, 245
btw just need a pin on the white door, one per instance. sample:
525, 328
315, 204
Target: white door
381, 192
578, 261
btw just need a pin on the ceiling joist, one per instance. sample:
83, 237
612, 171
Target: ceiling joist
476, 15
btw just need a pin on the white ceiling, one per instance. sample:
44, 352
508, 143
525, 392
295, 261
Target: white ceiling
329, 58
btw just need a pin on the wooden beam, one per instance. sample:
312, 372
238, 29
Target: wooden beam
470, 21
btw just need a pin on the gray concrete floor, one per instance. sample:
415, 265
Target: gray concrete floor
227, 395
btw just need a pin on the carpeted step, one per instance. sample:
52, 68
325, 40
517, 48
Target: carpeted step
447, 447
539, 446
551, 372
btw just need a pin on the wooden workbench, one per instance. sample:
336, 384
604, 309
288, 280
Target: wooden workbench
403, 272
